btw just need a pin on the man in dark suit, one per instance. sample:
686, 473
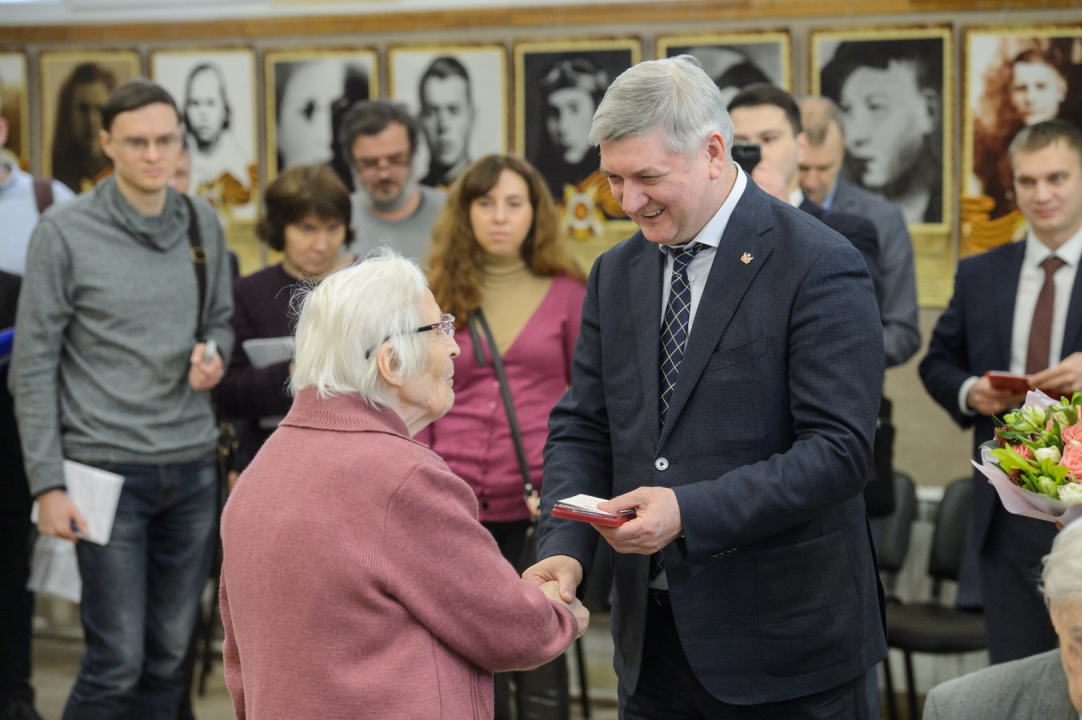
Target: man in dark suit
1017, 308
725, 385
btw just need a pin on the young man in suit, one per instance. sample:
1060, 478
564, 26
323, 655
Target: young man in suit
725, 385
1016, 308
823, 184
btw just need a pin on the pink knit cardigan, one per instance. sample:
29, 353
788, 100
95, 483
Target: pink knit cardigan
358, 583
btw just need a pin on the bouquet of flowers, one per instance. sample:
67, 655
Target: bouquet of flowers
1035, 461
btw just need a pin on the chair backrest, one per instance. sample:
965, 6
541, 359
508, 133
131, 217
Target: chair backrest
948, 540
893, 545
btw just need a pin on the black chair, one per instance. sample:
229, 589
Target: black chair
930, 627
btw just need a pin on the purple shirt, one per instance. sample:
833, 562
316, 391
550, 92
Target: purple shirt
474, 438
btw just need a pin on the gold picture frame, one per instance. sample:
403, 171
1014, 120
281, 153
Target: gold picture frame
354, 73
78, 79
467, 113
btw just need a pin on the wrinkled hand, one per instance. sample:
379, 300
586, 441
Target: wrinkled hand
1063, 380
657, 521
771, 180
56, 513
986, 400
561, 569
582, 615
204, 376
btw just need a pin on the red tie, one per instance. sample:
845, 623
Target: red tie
1040, 332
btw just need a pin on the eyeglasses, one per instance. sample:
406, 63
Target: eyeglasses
370, 164
141, 144
446, 326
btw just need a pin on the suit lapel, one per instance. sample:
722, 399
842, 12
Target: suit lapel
730, 277
1003, 303
1073, 329
645, 294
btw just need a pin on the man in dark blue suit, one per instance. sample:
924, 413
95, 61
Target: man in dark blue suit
1016, 308
725, 384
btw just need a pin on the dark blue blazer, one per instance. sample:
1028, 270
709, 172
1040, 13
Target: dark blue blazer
973, 335
858, 231
768, 441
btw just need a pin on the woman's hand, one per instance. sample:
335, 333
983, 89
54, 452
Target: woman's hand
582, 615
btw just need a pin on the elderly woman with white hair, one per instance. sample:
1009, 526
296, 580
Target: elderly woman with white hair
1046, 686
357, 580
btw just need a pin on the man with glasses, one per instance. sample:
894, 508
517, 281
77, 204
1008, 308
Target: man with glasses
389, 207
113, 356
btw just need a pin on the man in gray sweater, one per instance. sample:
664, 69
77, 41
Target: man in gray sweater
110, 366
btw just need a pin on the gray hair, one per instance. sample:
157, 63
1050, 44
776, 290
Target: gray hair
672, 95
1061, 578
350, 315
816, 114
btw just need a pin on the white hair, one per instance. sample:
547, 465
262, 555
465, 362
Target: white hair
672, 95
345, 319
1062, 575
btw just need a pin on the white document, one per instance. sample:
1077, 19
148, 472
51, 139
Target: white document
95, 494
264, 352
54, 569
586, 502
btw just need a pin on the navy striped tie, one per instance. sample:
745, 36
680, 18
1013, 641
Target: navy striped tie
674, 331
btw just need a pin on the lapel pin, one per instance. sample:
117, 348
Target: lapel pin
746, 258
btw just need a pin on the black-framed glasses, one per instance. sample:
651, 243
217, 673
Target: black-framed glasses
446, 326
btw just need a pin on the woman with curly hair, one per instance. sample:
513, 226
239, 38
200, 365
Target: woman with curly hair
499, 264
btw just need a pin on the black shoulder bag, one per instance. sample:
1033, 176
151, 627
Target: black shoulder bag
529, 493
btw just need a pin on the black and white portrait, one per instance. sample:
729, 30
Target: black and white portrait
308, 92
1014, 78
459, 93
215, 93
893, 88
15, 106
737, 60
558, 88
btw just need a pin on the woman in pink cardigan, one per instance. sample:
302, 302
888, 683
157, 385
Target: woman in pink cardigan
357, 580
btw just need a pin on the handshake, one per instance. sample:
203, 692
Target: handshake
558, 577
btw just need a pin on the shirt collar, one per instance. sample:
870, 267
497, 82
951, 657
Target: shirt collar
829, 199
796, 198
711, 233
1070, 251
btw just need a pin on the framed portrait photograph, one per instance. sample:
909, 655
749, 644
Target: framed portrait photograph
307, 94
893, 87
15, 107
1014, 77
215, 93
459, 93
736, 60
558, 86
74, 86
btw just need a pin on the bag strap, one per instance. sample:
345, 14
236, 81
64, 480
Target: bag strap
43, 193
475, 317
199, 262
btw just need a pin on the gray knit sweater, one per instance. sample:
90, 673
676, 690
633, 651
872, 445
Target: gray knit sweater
104, 332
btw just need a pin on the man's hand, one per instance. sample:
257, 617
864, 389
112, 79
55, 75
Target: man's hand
771, 180
562, 569
1063, 380
657, 521
56, 513
582, 615
204, 375
986, 400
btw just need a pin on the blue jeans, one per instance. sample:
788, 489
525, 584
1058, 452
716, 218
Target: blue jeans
141, 592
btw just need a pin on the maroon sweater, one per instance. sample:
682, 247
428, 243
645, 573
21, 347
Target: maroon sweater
357, 581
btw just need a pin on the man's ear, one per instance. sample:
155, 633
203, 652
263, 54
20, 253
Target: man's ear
715, 154
107, 146
388, 365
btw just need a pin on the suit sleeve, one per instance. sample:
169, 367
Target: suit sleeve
578, 453
835, 375
901, 329
946, 366
866, 240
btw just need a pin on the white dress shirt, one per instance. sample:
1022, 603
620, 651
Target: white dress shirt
710, 236
1030, 282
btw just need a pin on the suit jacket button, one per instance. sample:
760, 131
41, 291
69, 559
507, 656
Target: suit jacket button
661, 464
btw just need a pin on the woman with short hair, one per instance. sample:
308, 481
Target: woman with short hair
306, 216
357, 581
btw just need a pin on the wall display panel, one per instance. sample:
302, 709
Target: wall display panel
215, 92
1014, 77
307, 94
459, 93
736, 60
74, 86
558, 86
15, 105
